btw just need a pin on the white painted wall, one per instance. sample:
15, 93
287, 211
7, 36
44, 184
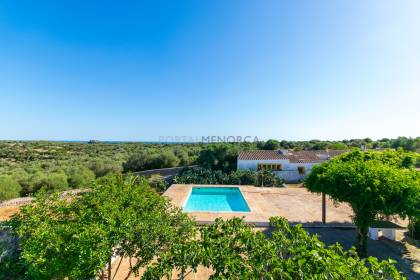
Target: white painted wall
289, 173
253, 164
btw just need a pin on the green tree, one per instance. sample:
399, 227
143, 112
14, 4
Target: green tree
271, 145
372, 183
137, 162
76, 236
79, 177
338, 146
145, 160
164, 160
101, 168
234, 250
219, 157
182, 155
9, 188
55, 181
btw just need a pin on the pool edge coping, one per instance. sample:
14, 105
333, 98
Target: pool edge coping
190, 189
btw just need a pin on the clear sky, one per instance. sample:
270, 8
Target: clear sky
295, 70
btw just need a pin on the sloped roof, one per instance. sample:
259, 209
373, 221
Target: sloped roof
292, 156
261, 155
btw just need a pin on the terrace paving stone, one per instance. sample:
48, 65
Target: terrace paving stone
295, 204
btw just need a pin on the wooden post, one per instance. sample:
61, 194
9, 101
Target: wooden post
324, 209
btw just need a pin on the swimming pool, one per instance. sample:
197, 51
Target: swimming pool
216, 199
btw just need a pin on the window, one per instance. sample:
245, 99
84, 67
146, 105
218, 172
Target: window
301, 170
272, 167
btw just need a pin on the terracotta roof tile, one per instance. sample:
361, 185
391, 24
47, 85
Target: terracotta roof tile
292, 156
261, 155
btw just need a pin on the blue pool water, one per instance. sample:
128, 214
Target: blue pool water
223, 199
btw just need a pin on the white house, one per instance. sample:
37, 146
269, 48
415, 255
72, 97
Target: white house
292, 166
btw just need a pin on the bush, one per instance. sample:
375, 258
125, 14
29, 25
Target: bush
9, 188
164, 160
137, 162
267, 178
199, 175
158, 183
100, 168
79, 177
182, 155
244, 177
51, 182
144, 161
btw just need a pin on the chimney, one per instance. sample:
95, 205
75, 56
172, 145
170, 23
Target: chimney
363, 148
283, 151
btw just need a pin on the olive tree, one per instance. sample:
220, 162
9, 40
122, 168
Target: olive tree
372, 183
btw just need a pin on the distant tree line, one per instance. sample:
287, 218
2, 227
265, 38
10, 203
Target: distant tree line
26, 166
405, 143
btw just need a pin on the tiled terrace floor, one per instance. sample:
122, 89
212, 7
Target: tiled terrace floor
295, 204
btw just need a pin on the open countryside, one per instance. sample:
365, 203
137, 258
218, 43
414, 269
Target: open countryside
211, 139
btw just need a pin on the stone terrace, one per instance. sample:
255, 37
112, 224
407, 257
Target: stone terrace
295, 204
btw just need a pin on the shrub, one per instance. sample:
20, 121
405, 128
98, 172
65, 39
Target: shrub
51, 182
100, 168
267, 178
182, 155
164, 160
144, 161
158, 183
247, 177
79, 177
199, 175
9, 188
137, 162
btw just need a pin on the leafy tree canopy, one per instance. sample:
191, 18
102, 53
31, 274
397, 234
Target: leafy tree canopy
372, 183
219, 157
234, 250
76, 237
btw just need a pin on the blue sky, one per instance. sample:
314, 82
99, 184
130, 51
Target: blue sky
122, 70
